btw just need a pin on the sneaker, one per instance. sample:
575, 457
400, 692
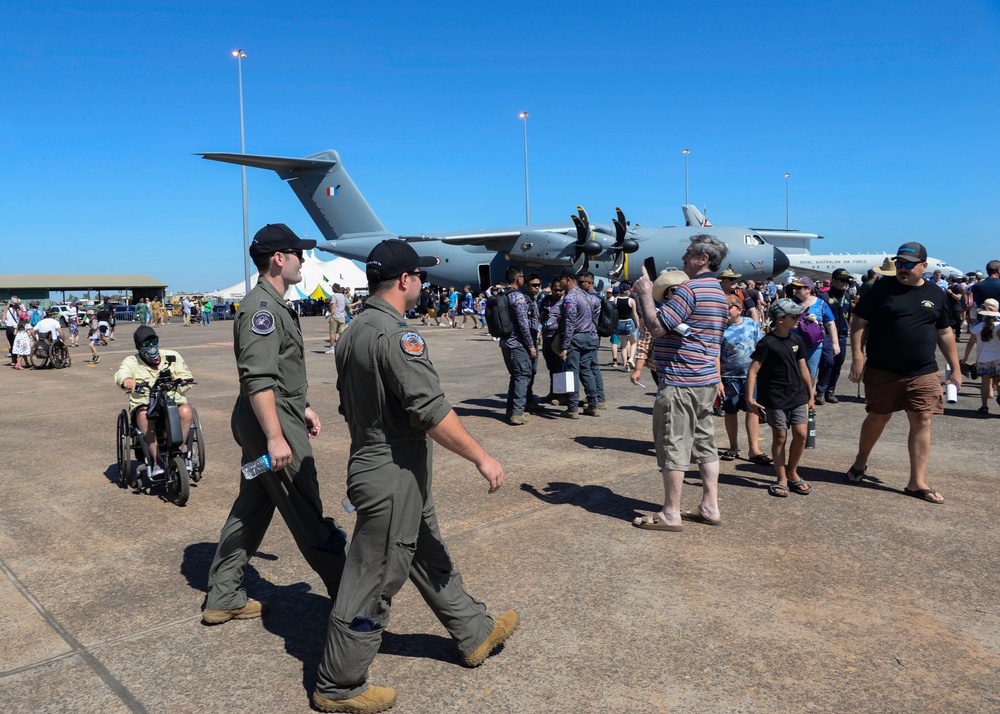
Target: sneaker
614, 363
96, 359
831, 398
373, 699
157, 471
503, 628
253, 608
590, 411
331, 351
571, 414
518, 419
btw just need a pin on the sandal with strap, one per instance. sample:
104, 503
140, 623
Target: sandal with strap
800, 487
728, 455
856, 476
778, 489
762, 459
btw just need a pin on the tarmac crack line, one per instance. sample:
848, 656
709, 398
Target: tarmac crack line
112, 682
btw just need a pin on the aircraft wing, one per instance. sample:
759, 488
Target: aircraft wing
502, 240
817, 275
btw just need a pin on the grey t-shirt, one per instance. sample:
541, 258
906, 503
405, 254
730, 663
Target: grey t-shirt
338, 306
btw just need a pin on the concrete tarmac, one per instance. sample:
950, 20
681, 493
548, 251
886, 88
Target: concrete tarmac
854, 598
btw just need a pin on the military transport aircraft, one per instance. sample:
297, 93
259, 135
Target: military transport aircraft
481, 257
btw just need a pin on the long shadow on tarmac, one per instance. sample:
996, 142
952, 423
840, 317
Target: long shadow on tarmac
628, 446
595, 499
299, 616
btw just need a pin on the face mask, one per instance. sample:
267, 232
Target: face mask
150, 355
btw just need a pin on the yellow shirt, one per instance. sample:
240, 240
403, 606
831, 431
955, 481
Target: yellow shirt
138, 370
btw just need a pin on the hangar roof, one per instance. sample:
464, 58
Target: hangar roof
80, 281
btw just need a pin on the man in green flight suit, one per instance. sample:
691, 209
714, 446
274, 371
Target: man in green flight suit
272, 416
392, 400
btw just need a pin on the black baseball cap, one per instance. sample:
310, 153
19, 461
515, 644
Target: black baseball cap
841, 274
911, 251
276, 238
142, 333
391, 258
568, 273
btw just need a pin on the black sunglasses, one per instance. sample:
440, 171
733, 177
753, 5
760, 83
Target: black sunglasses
908, 264
296, 253
150, 342
418, 274
535, 285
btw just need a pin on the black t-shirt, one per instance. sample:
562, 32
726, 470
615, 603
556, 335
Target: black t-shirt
986, 289
779, 381
902, 326
104, 315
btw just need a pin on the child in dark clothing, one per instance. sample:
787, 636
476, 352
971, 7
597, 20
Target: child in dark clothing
779, 361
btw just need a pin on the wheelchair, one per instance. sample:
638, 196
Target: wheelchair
181, 468
49, 353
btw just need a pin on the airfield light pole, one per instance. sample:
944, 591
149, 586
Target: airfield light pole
687, 153
527, 206
239, 55
786, 199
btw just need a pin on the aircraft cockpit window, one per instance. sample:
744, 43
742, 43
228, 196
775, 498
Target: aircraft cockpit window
753, 240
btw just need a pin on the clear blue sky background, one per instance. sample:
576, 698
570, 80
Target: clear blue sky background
884, 113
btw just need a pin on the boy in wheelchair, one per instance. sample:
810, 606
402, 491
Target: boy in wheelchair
145, 366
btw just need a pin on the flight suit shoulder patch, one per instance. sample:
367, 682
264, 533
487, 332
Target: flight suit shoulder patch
413, 345
262, 322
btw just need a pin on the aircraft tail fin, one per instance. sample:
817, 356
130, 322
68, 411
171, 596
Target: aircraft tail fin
694, 217
323, 186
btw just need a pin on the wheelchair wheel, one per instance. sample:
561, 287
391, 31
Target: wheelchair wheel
40, 355
197, 447
124, 441
178, 482
60, 355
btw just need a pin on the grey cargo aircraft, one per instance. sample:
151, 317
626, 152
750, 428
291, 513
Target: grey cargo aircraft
481, 257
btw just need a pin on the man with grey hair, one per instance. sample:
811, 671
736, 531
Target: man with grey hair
687, 330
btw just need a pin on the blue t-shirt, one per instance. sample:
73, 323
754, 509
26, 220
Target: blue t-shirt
738, 343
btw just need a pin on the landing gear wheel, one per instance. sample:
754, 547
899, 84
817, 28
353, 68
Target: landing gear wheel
178, 482
124, 450
197, 447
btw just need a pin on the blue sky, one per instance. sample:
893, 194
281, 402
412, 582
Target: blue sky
885, 115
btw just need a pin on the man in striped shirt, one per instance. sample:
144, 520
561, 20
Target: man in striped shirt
688, 333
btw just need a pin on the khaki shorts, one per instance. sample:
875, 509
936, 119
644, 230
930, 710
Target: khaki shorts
886, 392
683, 430
336, 325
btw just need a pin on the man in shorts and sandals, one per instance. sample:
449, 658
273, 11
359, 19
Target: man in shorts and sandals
902, 319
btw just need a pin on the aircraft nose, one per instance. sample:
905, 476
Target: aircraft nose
780, 262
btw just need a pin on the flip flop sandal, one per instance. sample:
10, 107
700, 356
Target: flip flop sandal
654, 523
697, 516
856, 476
762, 459
728, 455
778, 490
924, 494
800, 487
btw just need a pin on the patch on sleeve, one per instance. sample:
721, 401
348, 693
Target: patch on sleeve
413, 345
262, 322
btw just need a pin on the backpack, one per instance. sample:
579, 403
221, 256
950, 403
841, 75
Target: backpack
811, 333
36, 316
498, 318
607, 319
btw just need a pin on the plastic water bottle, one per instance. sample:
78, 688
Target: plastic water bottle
811, 427
951, 393
348, 506
256, 468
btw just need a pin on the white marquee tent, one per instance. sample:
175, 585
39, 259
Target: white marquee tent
318, 277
